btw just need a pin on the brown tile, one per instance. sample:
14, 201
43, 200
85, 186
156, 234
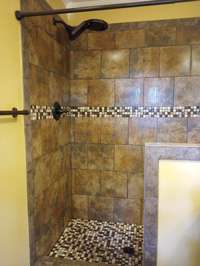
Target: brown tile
130, 39
172, 130
101, 92
114, 184
101, 208
145, 62
194, 130
129, 92
136, 186
36, 141
187, 91
86, 130
108, 130
66, 150
79, 156
101, 40
175, 61
62, 131
100, 157
129, 158
86, 182
114, 131
56, 165
196, 60
158, 92
188, 34
94, 130
58, 87
78, 92
142, 130
115, 64
80, 207
85, 64
157, 36
121, 131
41, 174
127, 211
80, 43
81, 130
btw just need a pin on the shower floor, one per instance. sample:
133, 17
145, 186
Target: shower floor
100, 242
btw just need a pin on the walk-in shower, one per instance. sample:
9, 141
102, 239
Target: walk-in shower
110, 93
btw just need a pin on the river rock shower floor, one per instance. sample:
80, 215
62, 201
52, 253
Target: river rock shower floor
98, 242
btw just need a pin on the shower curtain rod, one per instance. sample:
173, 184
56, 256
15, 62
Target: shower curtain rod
14, 112
22, 14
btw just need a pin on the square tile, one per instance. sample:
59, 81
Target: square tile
129, 92
101, 92
175, 61
145, 62
158, 92
115, 63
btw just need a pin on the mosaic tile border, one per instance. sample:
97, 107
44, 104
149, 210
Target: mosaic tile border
45, 112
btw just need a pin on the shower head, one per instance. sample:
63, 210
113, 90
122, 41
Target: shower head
91, 24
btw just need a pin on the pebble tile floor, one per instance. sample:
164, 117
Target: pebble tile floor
100, 242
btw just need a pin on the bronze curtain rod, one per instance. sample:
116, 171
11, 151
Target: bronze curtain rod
22, 14
14, 112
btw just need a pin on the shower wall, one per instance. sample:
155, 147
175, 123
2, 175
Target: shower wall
134, 64
46, 74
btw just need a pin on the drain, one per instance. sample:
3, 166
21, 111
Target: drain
129, 250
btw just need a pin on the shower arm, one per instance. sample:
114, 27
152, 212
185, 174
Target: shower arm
22, 14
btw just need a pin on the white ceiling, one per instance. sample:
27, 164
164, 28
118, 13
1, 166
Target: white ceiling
83, 3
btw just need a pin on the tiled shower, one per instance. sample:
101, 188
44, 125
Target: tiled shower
132, 84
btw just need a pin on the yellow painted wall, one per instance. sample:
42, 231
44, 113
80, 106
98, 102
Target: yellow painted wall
14, 241
171, 11
179, 214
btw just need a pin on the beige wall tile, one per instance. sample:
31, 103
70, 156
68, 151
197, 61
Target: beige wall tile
158, 92
101, 92
175, 61
187, 91
136, 186
80, 207
86, 182
115, 63
127, 210
85, 64
128, 158
172, 130
79, 156
196, 60
100, 157
101, 40
101, 208
158, 36
114, 184
78, 92
194, 130
145, 62
114, 131
130, 38
129, 92
188, 34
142, 130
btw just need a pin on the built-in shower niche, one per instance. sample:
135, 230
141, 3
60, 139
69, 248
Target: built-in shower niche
172, 205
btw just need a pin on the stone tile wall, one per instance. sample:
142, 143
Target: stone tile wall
132, 64
46, 80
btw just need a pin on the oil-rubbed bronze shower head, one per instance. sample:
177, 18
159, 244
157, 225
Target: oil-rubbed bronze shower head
91, 24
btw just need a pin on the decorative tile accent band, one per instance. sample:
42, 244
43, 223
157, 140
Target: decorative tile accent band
45, 112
